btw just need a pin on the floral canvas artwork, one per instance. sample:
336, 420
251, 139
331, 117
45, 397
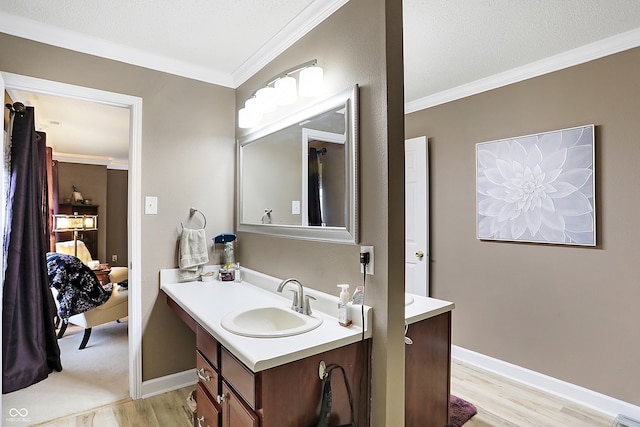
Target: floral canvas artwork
538, 188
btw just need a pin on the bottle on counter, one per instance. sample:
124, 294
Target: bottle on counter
237, 273
344, 317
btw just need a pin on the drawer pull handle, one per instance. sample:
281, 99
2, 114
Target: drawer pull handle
221, 398
202, 376
200, 421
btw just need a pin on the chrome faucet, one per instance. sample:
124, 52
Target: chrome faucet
298, 296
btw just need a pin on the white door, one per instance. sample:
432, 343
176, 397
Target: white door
416, 217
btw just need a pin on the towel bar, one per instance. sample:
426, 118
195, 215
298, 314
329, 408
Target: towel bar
192, 212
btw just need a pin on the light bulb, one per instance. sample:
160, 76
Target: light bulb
311, 81
285, 90
254, 106
250, 115
244, 118
267, 99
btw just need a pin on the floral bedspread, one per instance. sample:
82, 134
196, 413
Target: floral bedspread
79, 289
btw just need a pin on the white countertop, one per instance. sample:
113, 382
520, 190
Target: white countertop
422, 308
208, 302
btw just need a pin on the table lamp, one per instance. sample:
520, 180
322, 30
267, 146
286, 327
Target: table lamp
75, 223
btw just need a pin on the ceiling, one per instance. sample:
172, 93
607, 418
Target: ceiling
453, 48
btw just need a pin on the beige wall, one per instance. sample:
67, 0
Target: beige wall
108, 190
117, 207
91, 182
187, 160
569, 312
351, 52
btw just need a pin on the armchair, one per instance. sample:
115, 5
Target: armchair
80, 298
117, 274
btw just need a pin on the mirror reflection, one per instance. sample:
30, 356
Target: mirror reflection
299, 174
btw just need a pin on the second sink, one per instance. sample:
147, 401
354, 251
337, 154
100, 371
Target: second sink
269, 322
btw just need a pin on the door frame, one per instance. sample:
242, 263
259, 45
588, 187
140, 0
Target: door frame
134, 234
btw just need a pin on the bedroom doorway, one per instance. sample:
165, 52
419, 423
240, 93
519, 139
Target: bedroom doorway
134, 105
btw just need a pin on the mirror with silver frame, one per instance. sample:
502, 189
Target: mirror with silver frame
298, 177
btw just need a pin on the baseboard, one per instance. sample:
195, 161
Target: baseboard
168, 383
583, 396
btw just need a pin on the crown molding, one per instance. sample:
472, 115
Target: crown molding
310, 17
313, 15
570, 58
109, 162
44, 33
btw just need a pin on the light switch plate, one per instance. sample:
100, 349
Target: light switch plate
151, 205
295, 207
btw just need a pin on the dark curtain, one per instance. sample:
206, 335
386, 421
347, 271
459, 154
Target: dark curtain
315, 214
30, 349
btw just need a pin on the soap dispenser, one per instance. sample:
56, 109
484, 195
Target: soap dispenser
227, 269
344, 318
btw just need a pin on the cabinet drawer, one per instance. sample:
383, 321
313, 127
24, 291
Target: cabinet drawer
208, 346
207, 375
208, 413
238, 376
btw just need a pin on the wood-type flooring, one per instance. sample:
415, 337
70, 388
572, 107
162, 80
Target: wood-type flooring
500, 402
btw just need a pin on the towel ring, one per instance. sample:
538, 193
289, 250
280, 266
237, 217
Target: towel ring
192, 212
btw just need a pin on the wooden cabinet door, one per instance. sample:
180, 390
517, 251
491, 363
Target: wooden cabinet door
427, 364
208, 413
235, 413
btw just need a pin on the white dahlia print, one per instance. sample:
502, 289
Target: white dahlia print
537, 188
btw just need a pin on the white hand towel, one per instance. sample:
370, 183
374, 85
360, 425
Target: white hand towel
193, 253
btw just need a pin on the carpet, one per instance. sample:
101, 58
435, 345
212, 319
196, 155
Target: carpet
95, 376
460, 411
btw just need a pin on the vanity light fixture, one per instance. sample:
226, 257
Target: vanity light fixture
281, 90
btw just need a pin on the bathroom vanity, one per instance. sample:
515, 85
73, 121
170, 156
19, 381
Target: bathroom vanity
251, 381
269, 381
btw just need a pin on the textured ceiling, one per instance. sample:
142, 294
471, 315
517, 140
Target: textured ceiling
100, 136
455, 42
448, 43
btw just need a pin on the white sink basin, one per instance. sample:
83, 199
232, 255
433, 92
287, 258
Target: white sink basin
269, 322
408, 299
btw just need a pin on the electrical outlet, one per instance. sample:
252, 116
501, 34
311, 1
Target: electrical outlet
369, 266
295, 207
114, 258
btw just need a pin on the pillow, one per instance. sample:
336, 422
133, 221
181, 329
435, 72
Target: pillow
68, 249
118, 274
